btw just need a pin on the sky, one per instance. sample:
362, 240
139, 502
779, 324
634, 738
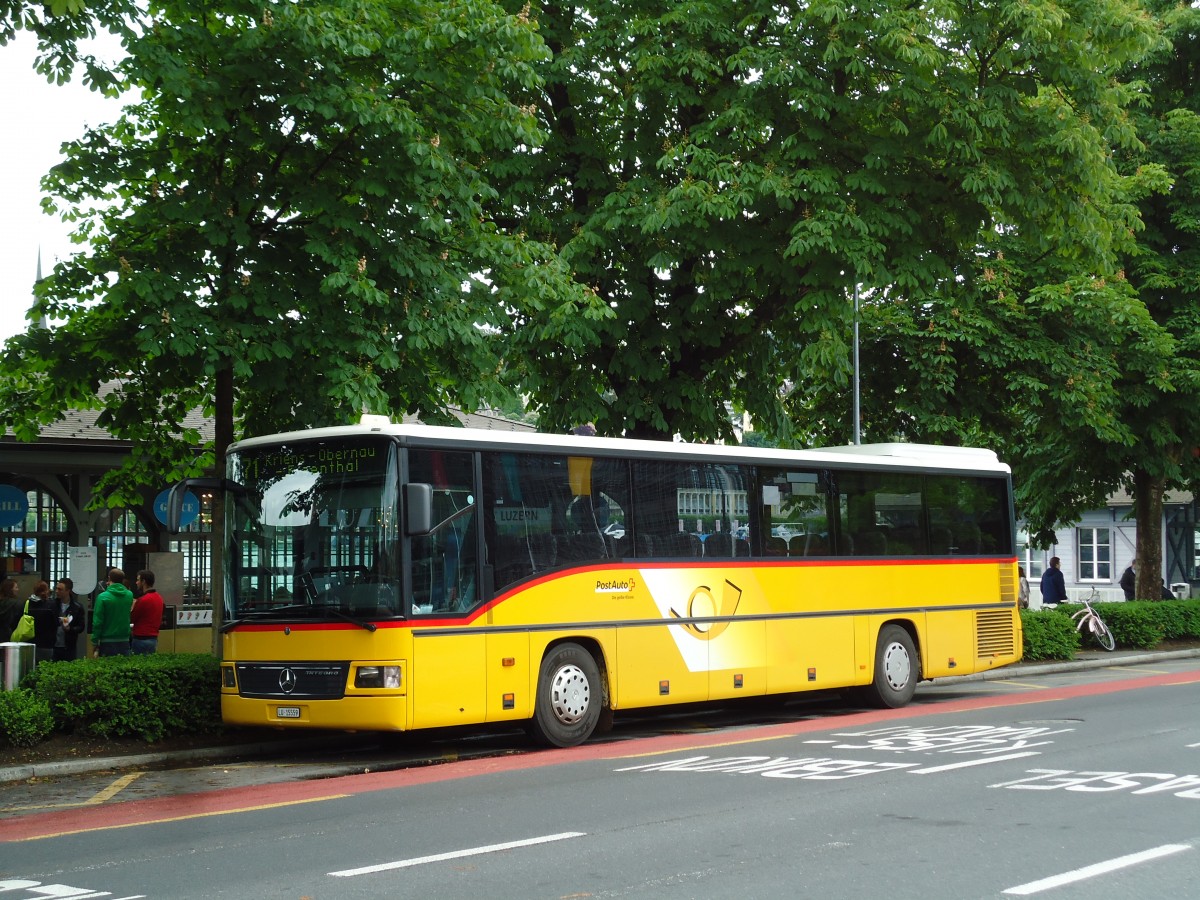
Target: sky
38, 118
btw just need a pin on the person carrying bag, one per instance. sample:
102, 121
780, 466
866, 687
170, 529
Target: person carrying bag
24, 631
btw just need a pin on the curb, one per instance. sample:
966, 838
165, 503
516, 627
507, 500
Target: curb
251, 751
229, 753
1092, 661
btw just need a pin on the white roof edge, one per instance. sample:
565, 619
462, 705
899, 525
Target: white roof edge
902, 455
967, 454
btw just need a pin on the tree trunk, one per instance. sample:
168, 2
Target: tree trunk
223, 437
1148, 510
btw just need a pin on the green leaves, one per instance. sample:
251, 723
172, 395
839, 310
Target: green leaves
299, 201
721, 176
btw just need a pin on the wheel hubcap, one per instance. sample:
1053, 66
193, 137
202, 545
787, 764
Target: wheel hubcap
897, 667
570, 695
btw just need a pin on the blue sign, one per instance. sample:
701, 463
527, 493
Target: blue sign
14, 504
191, 508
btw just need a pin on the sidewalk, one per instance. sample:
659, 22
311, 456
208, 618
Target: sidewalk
1086, 659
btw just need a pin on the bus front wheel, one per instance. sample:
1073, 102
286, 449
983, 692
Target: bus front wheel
897, 668
569, 697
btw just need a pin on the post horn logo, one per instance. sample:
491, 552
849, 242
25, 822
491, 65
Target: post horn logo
706, 618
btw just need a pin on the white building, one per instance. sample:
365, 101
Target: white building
1101, 545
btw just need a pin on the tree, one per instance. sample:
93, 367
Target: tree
1165, 270
722, 173
60, 26
291, 227
1081, 368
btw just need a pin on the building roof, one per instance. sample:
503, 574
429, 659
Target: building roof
1121, 497
76, 442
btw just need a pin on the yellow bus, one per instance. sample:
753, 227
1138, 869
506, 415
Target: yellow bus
395, 577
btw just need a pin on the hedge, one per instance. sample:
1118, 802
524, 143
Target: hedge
1140, 625
149, 697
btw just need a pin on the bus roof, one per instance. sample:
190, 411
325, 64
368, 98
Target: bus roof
889, 456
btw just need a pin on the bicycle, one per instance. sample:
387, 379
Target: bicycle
1095, 625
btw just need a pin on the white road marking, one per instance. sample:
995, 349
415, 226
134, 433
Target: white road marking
970, 762
457, 854
1121, 862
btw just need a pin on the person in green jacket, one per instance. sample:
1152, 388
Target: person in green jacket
110, 617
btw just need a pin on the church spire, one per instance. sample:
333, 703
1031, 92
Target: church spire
43, 322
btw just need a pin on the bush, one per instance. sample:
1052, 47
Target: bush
1048, 635
25, 718
1178, 619
149, 697
1132, 624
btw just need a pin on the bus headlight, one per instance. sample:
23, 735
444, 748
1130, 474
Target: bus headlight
228, 678
377, 677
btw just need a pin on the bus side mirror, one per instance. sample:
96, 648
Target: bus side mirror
418, 508
175, 500
177, 496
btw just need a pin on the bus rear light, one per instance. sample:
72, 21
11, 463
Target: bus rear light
377, 677
228, 677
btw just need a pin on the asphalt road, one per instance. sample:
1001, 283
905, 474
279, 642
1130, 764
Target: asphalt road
1061, 785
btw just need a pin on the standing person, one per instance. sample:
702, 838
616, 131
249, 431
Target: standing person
1129, 581
110, 617
40, 595
1054, 586
11, 608
1022, 588
146, 615
45, 621
72, 620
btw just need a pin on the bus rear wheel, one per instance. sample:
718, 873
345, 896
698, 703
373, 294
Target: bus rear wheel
569, 697
897, 668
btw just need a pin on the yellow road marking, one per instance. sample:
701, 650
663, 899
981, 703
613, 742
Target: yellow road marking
775, 737
1139, 668
204, 815
113, 789
38, 806
1024, 684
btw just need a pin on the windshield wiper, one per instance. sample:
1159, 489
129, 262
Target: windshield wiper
346, 617
308, 609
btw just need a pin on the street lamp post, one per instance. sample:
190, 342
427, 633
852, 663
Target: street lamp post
857, 419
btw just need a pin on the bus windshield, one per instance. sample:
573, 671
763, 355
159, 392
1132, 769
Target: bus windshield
315, 535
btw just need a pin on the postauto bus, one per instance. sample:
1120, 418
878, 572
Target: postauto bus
396, 577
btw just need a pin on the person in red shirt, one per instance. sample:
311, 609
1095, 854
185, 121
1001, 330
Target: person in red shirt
146, 615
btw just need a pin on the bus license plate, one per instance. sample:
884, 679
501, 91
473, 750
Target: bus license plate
287, 712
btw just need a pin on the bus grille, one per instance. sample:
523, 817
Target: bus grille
1008, 584
293, 681
994, 633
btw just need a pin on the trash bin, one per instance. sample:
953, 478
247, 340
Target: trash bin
18, 661
1181, 589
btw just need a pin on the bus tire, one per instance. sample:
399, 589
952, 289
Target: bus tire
569, 697
897, 669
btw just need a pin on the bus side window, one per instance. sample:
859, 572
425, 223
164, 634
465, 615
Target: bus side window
444, 562
794, 512
969, 515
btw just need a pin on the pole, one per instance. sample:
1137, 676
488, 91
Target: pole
857, 416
